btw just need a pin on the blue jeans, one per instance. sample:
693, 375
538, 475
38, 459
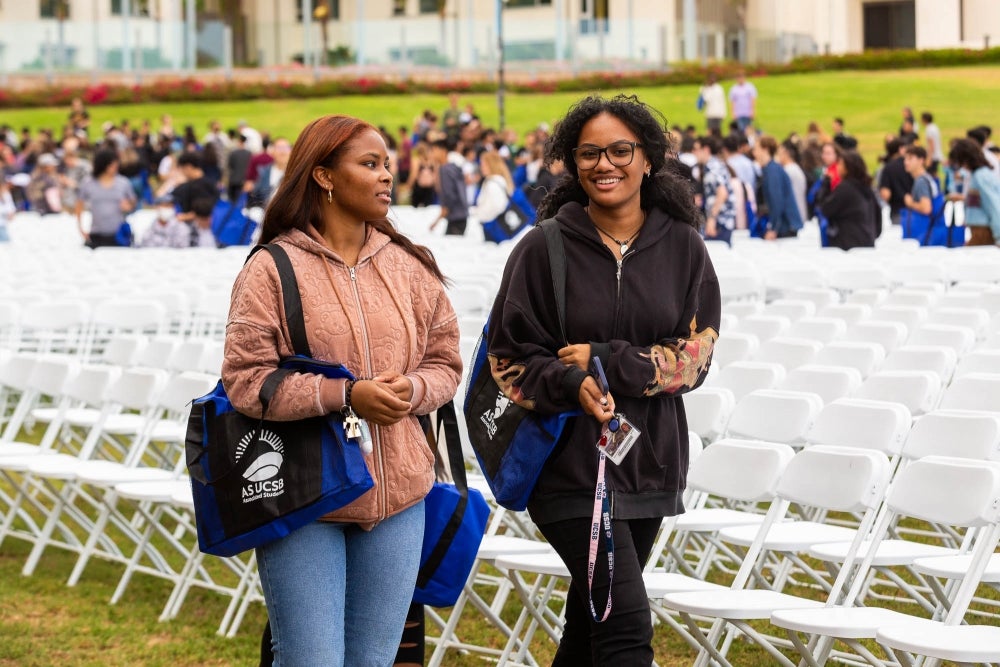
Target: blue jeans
338, 595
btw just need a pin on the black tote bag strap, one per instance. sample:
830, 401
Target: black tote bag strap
557, 265
290, 297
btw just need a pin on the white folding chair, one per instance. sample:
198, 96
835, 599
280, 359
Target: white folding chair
979, 361
919, 391
821, 477
973, 391
977, 319
888, 334
793, 309
941, 490
734, 346
789, 352
763, 326
938, 359
960, 339
708, 409
822, 329
755, 416
742, 377
828, 382
850, 313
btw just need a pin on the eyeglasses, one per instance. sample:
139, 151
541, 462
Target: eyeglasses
619, 154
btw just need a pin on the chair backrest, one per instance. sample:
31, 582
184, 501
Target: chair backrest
732, 346
912, 297
793, 309
16, 371
919, 391
851, 313
122, 350
948, 490
789, 352
958, 433
188, 355
820, 296
91, 384
977, 319
853, 278
740, 470
888, 334
823, 329
182, 388
864, 356
50, 375
979, 361
764, 327
973, 391
939, 359
746, 308
775, 416
708, 409
138, 388
158, 352
742, 377
961, 339
839, 479
829, 382
853, 422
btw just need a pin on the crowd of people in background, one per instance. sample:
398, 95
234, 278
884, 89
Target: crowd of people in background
740, 177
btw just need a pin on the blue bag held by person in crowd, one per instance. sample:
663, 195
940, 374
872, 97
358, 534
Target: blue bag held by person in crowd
512, 443
255, 480
230, 225
930, 229
455, 519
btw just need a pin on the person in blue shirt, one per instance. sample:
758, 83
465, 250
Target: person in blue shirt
776, 193
982, 193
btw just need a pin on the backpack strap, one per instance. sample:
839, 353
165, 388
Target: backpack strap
293, 315
557, 265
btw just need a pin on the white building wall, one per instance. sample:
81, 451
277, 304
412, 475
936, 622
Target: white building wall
937, 23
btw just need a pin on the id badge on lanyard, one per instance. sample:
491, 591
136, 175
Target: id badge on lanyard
617, 438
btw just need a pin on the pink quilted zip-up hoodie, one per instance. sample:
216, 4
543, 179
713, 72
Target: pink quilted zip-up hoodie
388, 313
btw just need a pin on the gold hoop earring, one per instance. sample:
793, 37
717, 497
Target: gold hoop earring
329, 196
647, 172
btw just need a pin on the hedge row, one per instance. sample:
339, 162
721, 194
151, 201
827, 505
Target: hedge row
194, 89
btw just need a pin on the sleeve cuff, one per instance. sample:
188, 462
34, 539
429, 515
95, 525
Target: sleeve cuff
418, 388
602, 351
571, 382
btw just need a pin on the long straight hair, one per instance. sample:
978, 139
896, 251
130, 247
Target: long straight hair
298, 200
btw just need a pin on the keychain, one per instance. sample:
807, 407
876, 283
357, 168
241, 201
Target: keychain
356, 428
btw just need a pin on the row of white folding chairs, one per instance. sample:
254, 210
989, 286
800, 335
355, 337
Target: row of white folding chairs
879, 426
124, 461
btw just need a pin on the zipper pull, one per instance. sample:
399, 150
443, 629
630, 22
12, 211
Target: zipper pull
619, 274
353, 277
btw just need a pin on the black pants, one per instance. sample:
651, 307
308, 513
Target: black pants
456, 227
101, 241
625, 638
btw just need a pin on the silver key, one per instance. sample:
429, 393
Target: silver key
352, 426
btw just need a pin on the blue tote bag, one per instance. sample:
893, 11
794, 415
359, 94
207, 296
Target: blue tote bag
512, 443
255, 480
455, 519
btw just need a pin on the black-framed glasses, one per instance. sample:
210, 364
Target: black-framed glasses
619, 154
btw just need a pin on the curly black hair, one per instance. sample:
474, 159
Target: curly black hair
664, 189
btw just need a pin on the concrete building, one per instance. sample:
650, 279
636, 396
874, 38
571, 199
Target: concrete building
539, 35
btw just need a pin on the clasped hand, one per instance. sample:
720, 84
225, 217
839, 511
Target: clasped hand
596, 404
383, 400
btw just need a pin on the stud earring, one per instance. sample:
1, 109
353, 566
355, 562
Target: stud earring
329, 196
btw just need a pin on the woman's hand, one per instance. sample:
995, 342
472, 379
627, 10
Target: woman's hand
398, 383
576, 355
378, 403
599, 406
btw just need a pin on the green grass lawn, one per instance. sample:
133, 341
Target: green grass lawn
870, 102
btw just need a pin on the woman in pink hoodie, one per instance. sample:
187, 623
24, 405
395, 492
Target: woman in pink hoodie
337, 591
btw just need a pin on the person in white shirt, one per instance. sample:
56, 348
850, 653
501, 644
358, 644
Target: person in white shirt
713, 99
254, 142
932, 141
166, 231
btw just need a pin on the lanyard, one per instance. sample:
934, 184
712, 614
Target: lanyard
602, 514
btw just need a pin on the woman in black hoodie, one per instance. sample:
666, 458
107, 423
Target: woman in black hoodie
854, 216
642, 296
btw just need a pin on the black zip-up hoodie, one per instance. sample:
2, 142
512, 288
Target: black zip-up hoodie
653, 321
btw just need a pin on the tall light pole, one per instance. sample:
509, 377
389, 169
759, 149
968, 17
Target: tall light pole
501, 92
